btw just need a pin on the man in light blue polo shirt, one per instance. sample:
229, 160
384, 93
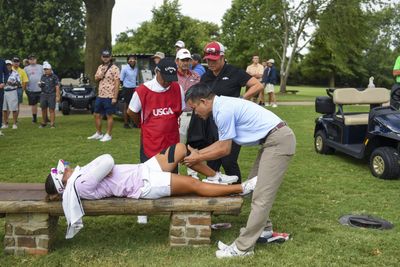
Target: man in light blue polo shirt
129, 78
245, 123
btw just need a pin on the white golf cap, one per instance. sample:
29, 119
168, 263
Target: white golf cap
46, 65
183, 53
271, 61
8, 61
180, 44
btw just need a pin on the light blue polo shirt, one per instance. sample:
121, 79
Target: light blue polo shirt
241, 120
129, 76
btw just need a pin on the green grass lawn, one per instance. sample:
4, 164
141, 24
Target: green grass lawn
317, 190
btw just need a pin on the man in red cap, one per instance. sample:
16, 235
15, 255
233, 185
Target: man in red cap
226, 80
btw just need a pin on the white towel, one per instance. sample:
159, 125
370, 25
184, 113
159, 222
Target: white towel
72, 206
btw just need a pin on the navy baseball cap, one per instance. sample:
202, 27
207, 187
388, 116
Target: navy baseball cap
168, 69
106, 53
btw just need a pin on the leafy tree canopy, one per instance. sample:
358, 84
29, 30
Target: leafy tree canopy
52, 30
161, 33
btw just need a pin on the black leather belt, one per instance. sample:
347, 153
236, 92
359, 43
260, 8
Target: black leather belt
188, 113
280, 125
9, 90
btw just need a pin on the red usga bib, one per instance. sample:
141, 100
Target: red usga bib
159, 120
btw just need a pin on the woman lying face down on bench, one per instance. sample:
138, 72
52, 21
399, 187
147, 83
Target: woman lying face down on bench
149, 180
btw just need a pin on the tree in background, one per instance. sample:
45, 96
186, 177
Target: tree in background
166, 27
53, 30
340, 40
247, 31
272, 26
98, 32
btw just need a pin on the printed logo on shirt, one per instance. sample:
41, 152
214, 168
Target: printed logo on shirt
162, 112
225, 78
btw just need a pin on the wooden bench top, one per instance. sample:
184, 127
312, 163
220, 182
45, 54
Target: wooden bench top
30, 198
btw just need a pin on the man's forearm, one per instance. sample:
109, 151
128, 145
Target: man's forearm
135, 116
254, 88
216, 150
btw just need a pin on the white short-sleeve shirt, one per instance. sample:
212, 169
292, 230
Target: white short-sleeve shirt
136, 106
241, 120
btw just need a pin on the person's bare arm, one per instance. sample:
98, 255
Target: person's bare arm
254, 87
216, 150
116, 90
135, 116
58, 93
396, 73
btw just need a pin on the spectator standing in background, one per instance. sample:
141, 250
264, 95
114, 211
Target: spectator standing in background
129, 77
107, 75
49, 96
269, 79
196, 65
24, 80
34, 72
256, 70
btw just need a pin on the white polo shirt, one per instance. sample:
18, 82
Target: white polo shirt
241, 120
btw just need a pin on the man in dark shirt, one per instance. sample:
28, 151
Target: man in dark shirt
226, 80
3, 79
49, 96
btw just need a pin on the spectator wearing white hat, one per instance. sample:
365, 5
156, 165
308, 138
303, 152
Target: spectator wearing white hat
186, 78
50, 94
179, 45
10, 102
269, 80
158, 56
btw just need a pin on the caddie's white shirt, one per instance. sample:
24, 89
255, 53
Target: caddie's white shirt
241, 120
136, 106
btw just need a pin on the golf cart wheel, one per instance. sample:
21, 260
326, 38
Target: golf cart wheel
384, 163
320, 143
65, 109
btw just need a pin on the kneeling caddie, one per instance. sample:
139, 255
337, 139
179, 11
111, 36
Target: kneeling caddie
245, 123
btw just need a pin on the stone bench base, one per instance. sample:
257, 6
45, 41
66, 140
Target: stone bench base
30, 234
190, 229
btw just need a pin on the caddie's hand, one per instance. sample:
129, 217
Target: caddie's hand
1, 85
114, 101
193, 158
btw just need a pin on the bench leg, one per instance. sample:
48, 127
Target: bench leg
190, 229
29, 233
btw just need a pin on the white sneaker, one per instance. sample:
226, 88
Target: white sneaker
232, 251
4, 126
142, 219
15, 126
220, 178
274, 105
1, 133
249, 186
96, 136
222, 246
267, 105
192, 173
106, 138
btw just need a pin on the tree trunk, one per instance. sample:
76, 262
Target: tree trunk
332, 80
98, 33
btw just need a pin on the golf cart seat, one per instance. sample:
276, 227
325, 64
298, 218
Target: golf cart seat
352, 96
70, 82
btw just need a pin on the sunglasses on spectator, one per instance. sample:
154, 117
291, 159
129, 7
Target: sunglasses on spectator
212, 51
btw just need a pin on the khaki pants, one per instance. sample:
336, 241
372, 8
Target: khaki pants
270, 166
